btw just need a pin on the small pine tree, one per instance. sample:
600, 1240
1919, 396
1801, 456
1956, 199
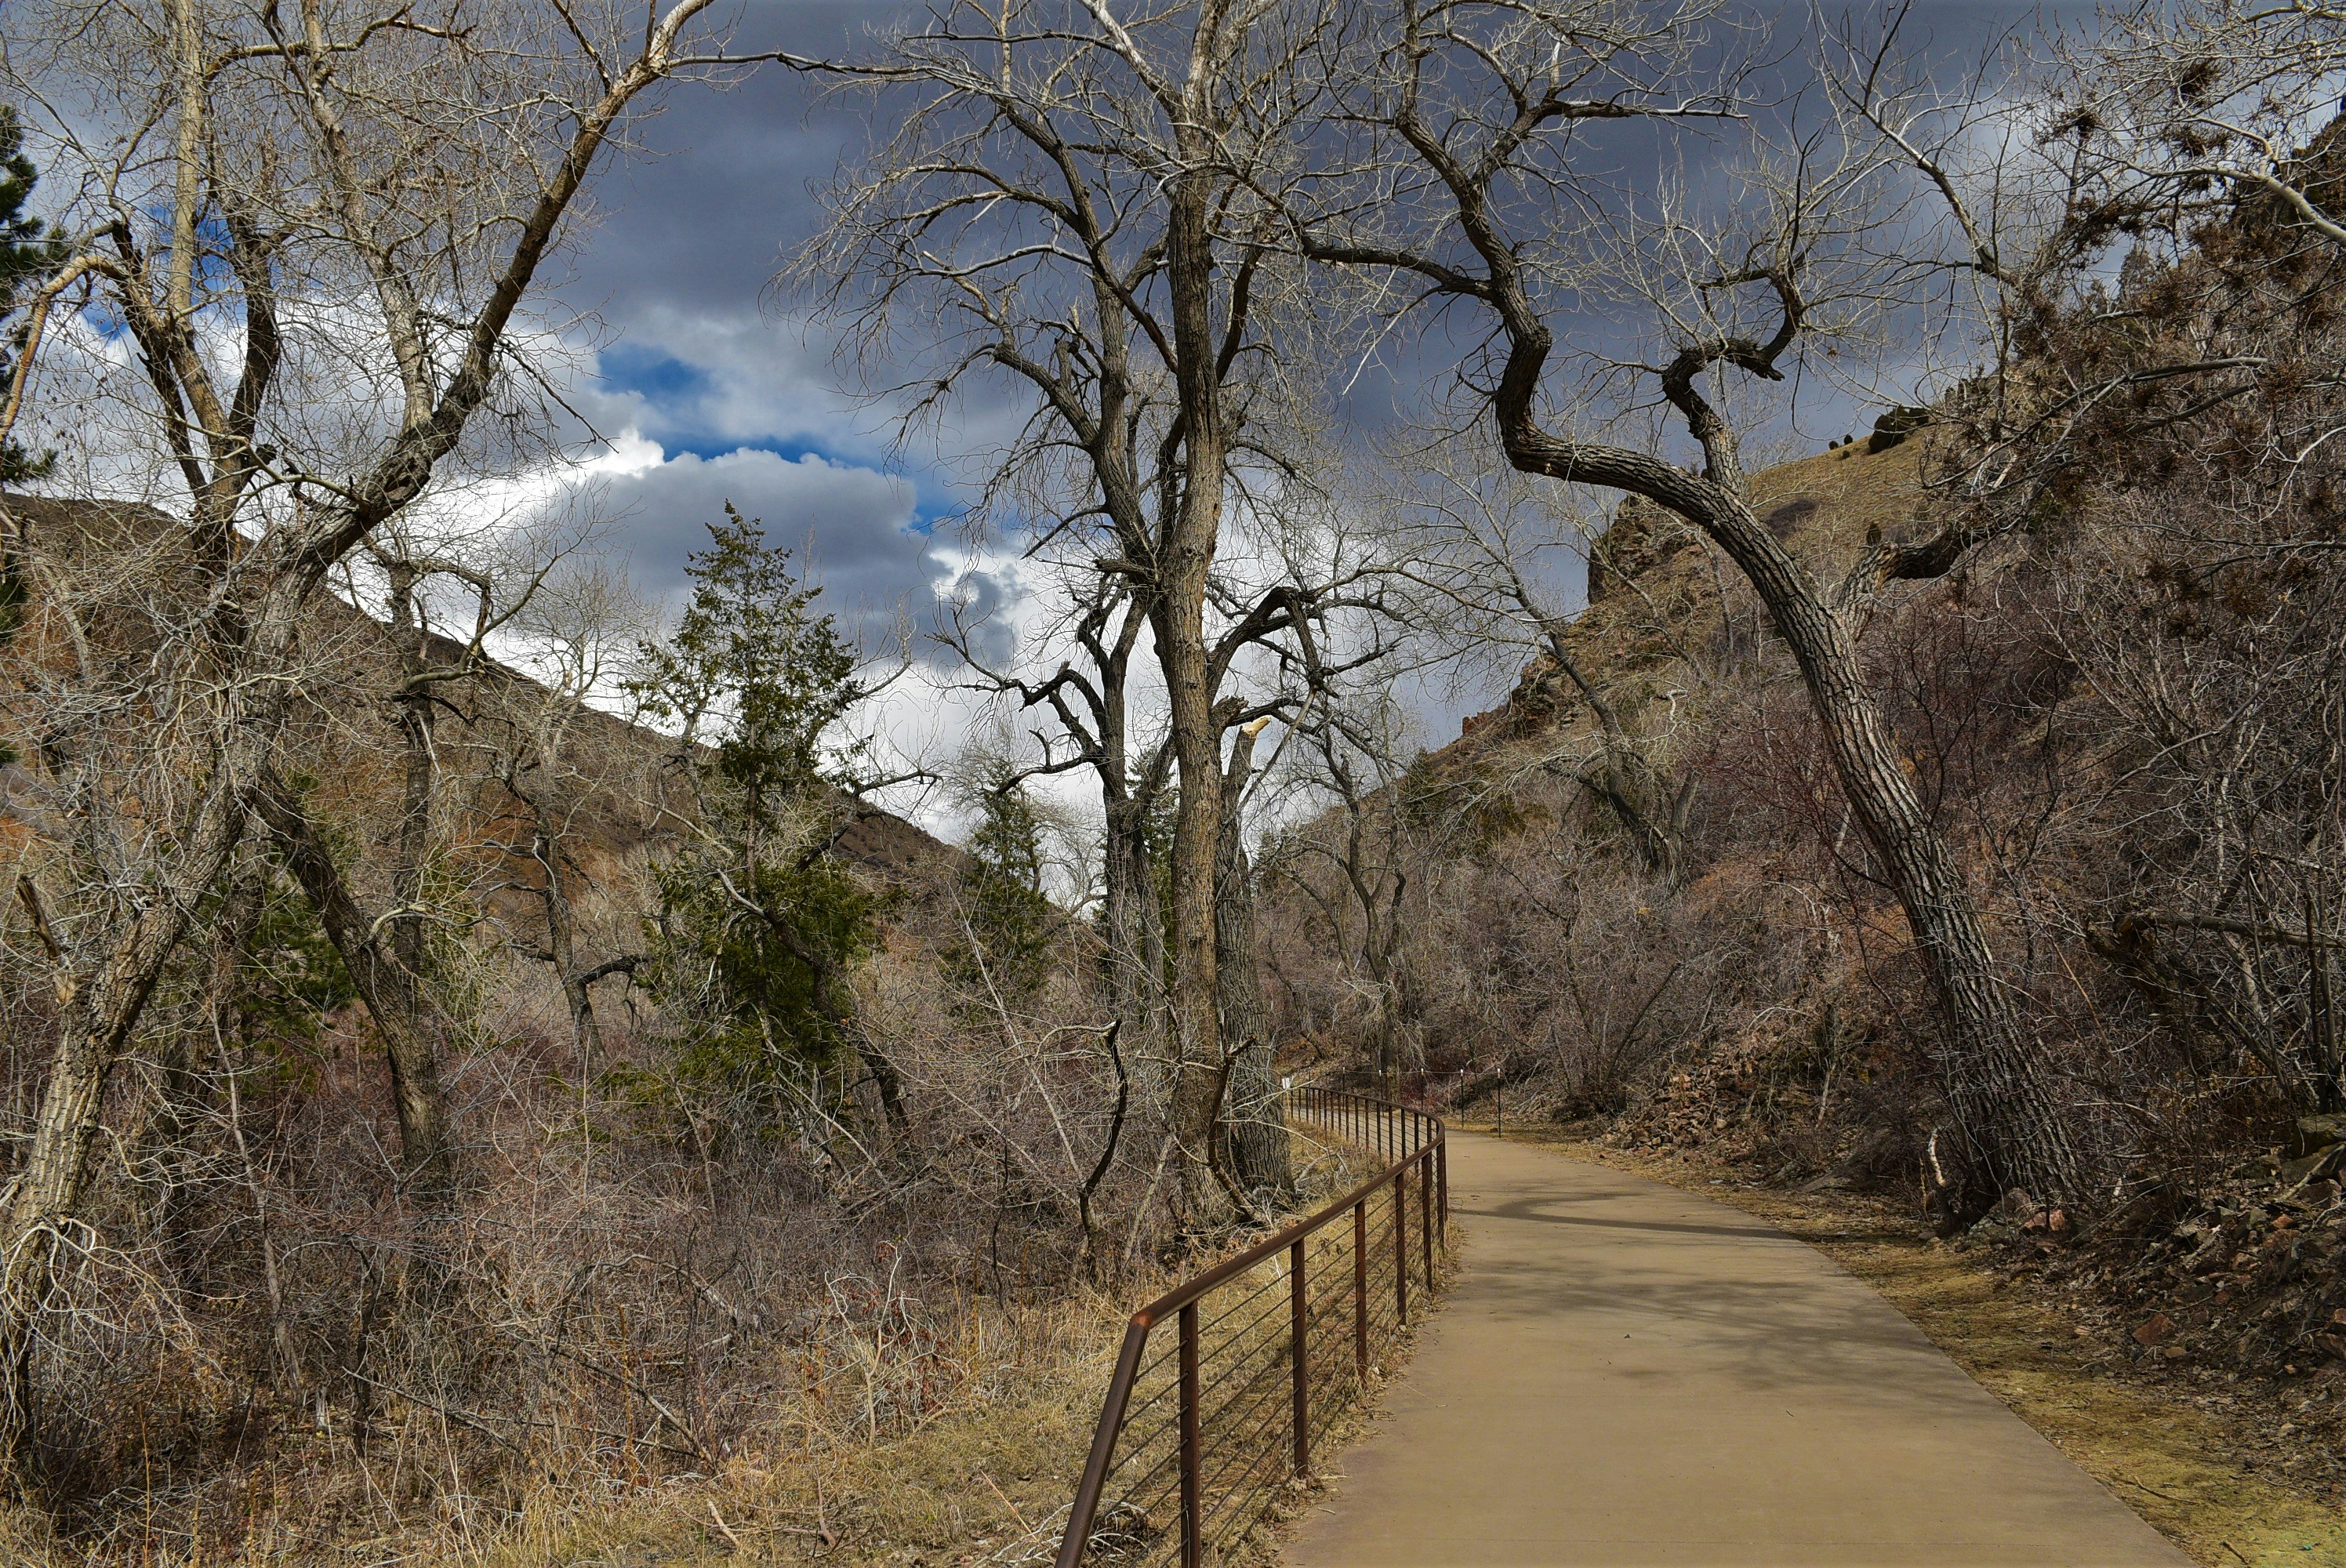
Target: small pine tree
290, 978
757, 927
1009, 918
24, 255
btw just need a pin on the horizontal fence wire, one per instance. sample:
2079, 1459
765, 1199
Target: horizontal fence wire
1199, 1438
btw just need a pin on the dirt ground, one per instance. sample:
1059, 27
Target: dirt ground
2210, 1465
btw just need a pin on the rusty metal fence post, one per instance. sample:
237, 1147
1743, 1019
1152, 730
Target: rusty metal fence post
1425, 1215
1442, 1180
1299, 1333
1193, 1533
1360, 1288
1401, 1247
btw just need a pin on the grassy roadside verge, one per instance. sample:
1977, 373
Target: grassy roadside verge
2192, 1471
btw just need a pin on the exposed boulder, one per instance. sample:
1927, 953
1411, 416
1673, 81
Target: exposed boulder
1896, 426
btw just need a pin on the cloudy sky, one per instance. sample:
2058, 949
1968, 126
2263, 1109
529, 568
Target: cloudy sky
711, 387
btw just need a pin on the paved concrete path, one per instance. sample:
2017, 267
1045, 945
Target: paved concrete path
1627, 1375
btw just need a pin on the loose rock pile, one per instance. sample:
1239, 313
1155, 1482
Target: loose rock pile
2243, 1274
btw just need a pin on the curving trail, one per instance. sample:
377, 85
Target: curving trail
1627, 1375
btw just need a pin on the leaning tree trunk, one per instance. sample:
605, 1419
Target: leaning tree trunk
1254, 1120
1999, 1092
98, 1011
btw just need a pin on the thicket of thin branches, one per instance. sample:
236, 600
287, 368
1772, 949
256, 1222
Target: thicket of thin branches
2123, 707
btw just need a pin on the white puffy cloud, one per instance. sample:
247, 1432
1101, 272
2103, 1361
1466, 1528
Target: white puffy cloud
712, 379
850, 528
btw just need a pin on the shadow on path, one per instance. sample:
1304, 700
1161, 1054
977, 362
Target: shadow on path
1627, 1374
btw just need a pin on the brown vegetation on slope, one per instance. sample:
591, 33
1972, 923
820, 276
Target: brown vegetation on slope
1765, 1010
646, 1273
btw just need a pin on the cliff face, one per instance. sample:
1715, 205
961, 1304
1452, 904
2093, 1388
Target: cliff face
1666, 612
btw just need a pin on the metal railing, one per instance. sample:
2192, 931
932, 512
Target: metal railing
1196, 1435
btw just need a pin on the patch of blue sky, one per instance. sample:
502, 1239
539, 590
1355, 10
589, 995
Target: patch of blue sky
676, 394
661, 379
108, 322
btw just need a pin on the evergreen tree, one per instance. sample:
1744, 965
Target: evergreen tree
759, 926
1009, 918
25, 255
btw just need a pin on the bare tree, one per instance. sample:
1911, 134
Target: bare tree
321, 229
1073, 202
1093, 708
1484, 109
582, 620
1354, 753
2181, 110
1478, 547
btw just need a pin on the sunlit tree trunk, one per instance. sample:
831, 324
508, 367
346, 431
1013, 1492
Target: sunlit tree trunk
1254, 1117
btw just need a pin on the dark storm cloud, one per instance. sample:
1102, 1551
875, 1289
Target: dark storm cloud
709, 359
700, 221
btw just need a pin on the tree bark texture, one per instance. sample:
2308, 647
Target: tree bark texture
1254, 1118
1177, 615
1135, 941
183, 1095
2000, 1092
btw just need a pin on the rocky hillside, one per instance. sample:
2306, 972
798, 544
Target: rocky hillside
623, 800
1764, 1011
1664, 605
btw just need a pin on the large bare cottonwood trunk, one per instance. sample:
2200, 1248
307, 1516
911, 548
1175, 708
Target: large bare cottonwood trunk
1254, 1118
1178, 614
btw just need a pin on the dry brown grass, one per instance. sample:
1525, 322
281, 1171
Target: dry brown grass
985, 1478
981, 1474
